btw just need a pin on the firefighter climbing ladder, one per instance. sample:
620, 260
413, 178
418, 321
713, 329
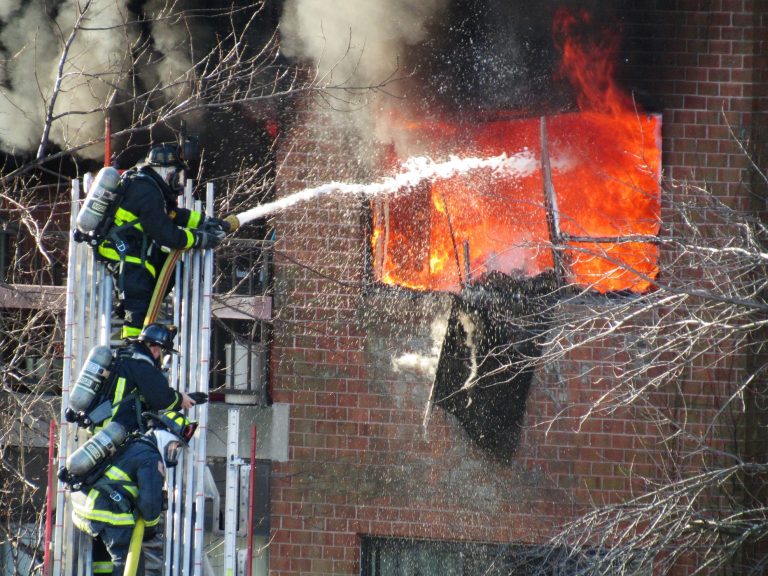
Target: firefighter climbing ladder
88, 323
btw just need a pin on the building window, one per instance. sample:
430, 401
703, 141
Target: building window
404, 557
575, 193
244, 266
240, 362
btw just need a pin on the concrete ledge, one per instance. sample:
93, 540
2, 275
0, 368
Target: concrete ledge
27, 296
271, 430
33, 297
242, 307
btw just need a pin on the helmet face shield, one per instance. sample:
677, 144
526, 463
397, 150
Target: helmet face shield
188, 431
166, 159
176, 181
173, 176
172, 454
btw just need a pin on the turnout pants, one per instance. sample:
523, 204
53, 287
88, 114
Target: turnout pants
110, 548
134, 292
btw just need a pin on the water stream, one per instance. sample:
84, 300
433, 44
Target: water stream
414, 171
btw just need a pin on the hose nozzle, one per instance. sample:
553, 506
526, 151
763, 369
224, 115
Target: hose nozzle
233, 223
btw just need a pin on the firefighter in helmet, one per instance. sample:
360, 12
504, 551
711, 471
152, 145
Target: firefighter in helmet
131, 487
147, 223
138, 383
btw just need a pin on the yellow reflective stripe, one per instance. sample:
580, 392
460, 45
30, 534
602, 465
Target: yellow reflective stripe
112, 254
79, 522
190, 238
81, 509
171, 405
90, 500
87, 510
154, 522
119, 391
123, 216
119, 519
194, 219
114, 473
102, 567
129, 332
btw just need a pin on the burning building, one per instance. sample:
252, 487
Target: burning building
462, 365
435, 303
577, 194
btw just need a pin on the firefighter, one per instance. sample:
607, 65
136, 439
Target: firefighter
131, 487
147, 224
139, 384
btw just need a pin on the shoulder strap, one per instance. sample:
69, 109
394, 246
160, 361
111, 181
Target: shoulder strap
125, 179
112, 489
99, 413
140, 356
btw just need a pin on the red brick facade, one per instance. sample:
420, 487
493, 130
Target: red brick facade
361, 462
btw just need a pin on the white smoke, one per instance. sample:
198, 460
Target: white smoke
31, 50
174, 64
353, 41
99, 63
361, 44
8, 7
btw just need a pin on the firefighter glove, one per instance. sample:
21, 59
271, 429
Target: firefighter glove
216, 226
198, 397
205, 240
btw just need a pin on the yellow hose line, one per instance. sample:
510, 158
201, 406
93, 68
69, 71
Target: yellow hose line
161, 286
134, 550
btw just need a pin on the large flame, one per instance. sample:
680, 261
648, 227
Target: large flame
605, 170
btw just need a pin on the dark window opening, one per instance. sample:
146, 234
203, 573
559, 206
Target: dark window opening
240, 362
244, 266
403, 557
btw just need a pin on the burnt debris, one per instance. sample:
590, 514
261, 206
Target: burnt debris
483, 374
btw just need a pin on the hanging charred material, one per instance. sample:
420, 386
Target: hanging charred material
483, 376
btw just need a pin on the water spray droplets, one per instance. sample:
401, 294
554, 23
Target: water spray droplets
415, 170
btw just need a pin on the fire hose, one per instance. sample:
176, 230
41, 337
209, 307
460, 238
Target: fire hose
161, 286
167, 271
134, 550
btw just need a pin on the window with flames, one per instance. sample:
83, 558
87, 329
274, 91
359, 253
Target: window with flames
575, 191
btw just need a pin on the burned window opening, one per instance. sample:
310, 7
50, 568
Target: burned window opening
556, 219
562, 194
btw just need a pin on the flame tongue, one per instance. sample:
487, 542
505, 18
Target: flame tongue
605, 167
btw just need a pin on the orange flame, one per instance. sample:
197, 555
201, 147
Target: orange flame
605, 169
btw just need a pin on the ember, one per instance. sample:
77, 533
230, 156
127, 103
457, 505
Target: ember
601, 163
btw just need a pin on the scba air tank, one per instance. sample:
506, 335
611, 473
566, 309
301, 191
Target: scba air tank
92, 375
97, 449
101, 195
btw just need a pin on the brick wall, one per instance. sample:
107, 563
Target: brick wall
361, 461
705, 63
